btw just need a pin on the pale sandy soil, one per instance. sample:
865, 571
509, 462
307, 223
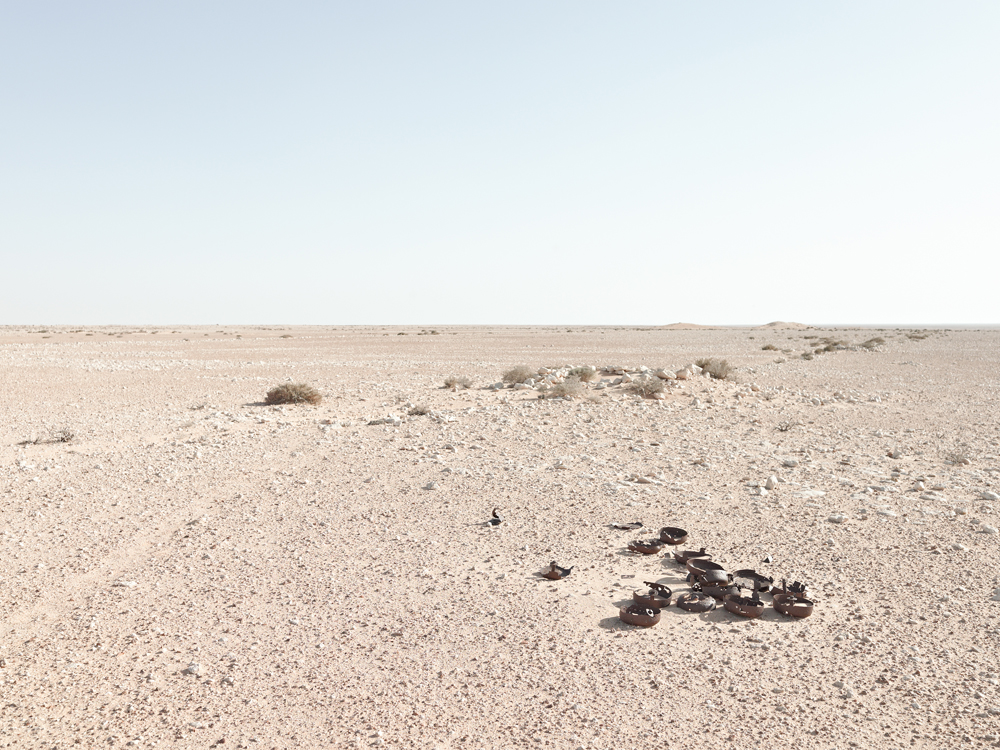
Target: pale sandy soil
330, 601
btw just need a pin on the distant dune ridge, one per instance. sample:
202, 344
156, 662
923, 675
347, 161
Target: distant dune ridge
776, 325
782, 325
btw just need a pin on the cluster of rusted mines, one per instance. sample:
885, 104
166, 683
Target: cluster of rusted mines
710, 582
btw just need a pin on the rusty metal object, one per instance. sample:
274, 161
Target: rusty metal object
658, 596
716, 592
672, 535
699, 566
627, 526
554, 572
682, 556
696, 601
795, 589
646, 546
793, 606
752, 579
745, 606
636, 614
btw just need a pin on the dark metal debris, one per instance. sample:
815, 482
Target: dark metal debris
695, 601
793, 606
673, 535
637, 614
682, 556
646, 546
554, 572
745, 606
752, 579
627, 526
497, 518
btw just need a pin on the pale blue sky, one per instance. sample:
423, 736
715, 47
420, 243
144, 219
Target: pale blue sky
543, 162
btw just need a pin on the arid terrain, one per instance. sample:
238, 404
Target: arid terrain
185, 566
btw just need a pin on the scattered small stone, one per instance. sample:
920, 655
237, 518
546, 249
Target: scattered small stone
992, 530
193, 668
837, 518
430, 486
771, 483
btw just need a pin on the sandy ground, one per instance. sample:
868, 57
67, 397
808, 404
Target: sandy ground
322, 598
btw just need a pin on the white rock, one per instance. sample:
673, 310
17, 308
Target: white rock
682, 374
987, 495
771, 483
430, 486
837, 518
193, 668
295, 621
790, 463
988, 529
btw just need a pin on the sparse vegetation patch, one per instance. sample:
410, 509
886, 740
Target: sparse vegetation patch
718, 369
586, 374
647, 387
518, 374
293, 393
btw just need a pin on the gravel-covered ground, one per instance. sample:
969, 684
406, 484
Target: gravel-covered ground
184, 566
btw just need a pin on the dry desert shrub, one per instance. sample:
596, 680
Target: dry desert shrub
769, 348
571, 387
719, 369
293, 393
420, 410
646, 387
518, 374
807, 355
457, 381
585, 374
872, 343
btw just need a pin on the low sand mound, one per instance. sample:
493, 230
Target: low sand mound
684, 327
783, 325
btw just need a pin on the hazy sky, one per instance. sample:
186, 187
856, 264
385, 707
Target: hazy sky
515, 162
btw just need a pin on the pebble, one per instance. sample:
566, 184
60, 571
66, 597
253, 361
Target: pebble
959, 547
836, 518
295, 621
790, 463
193, 668
987, 495
430, 486
771, 483
988, 529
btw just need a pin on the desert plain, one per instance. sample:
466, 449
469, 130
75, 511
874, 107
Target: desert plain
185, 566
